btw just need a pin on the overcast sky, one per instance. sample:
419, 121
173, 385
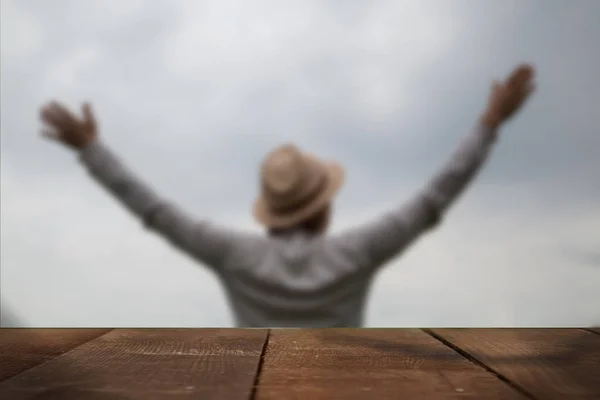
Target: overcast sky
192, 94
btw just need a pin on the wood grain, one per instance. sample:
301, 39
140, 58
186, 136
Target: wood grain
371, 363
547, 363
22, 349
148, 364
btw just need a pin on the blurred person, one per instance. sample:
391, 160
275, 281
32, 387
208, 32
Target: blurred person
295, 275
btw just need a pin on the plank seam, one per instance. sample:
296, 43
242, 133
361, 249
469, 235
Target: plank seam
261, 361
55, 357
477, 362
591, 330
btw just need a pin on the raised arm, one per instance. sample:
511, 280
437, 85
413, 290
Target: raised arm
208, 243
376, 242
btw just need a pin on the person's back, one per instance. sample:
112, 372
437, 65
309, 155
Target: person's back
297, 280
296, 275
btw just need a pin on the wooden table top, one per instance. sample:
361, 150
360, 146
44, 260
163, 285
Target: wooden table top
290, 364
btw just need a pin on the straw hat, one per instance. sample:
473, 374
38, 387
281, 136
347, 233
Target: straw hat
294, 187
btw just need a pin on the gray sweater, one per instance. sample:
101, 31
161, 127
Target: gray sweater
295, 280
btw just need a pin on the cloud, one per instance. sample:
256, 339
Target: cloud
21, 32
192, 94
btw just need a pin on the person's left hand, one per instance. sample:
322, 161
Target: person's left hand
509, 96
66, 128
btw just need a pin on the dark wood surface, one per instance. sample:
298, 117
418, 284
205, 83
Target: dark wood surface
546, 363
370, 363
148, 364
299, 364
21, 349
594, 330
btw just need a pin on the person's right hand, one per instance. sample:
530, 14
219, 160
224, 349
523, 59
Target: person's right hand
65, 127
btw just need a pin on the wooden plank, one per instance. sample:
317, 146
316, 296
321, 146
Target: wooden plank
148, 364
594, 330
547, 363
22, 349
371, 363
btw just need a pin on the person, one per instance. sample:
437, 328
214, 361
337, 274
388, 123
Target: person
295, 275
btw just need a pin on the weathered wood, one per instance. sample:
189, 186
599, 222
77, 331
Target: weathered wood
371, 363
594, 330
148, 364
21, 349
547, 363
299, 364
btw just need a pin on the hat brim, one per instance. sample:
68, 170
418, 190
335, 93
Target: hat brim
265, 217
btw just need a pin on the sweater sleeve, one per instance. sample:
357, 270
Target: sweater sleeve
377, 241
206, 242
